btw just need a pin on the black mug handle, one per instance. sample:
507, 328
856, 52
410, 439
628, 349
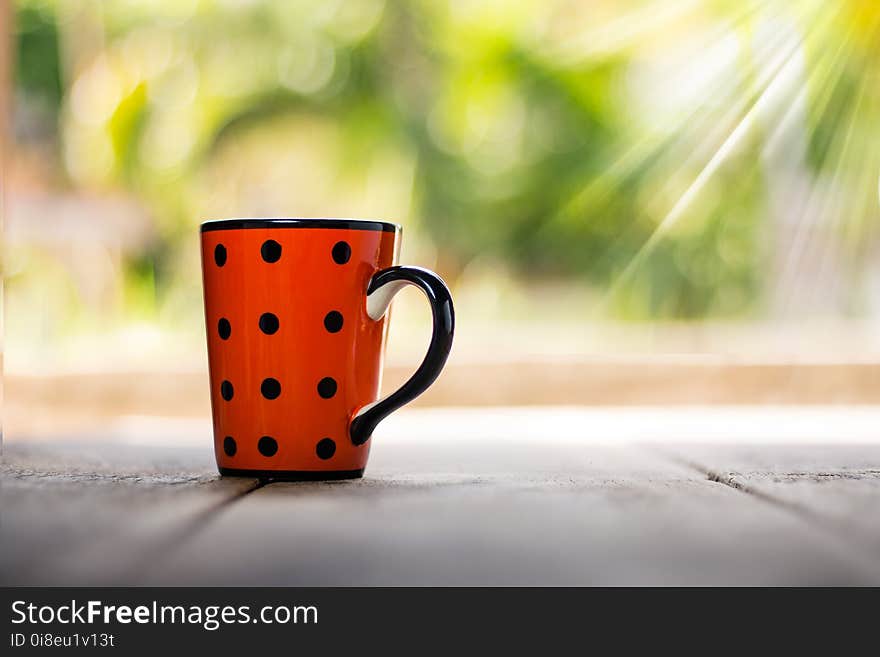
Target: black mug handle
381, 290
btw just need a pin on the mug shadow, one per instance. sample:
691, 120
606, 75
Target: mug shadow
376, 484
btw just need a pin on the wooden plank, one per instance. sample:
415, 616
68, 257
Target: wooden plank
99, 514
468, 496
493, 513
834, 486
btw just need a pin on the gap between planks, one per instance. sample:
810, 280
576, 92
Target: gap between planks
848, 537
153, 555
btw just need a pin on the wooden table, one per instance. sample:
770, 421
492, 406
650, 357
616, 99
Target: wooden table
495, 496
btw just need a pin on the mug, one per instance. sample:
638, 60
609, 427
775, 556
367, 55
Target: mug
296, 315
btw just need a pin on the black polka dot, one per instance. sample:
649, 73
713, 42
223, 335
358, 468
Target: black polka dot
325, 449
327, 387
267, 446
229, 446
268, 323
226, 390
270, 388
333, 321
224, 328
271, 251
341, 253
220, 255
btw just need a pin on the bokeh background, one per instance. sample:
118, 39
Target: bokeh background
634, 201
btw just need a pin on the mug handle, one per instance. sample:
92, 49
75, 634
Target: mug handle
381, 290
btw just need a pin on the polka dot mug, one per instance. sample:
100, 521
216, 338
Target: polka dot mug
296, 322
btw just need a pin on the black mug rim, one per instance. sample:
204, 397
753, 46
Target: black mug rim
299, 222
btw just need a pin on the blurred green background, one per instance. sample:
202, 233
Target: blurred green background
612, 162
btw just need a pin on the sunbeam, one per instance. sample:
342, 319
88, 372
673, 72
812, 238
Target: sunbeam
772, 81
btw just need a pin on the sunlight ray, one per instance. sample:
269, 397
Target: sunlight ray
829, 226
719, 117
826, 81
645, 148
858, 198
626, 30
720, 126
730, 144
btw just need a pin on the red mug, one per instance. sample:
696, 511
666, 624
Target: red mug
296, 315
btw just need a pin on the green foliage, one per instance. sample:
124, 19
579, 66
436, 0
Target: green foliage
38, 65
520, 151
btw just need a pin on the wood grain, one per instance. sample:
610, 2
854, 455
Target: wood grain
537, 497
101, 514
521, 515
833, 486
